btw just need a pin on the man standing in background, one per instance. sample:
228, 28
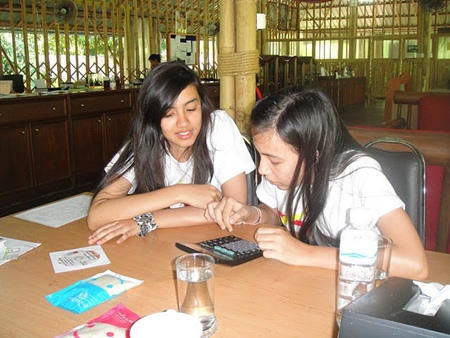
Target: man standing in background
155, 59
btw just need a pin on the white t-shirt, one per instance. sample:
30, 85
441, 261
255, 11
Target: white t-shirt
227, 149
366, 187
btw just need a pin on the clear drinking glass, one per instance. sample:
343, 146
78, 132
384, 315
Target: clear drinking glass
384, 258
195, 284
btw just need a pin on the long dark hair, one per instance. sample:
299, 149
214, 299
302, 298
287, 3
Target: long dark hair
307, 119
145, 146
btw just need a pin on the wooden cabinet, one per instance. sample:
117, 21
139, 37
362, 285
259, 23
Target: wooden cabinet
94, 102
28, 109
99, 126
50, 149
96, 139
16, 170
34, 148
344, 92
116, 129
56, 145
87, 134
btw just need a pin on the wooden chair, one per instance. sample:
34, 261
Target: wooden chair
394, 84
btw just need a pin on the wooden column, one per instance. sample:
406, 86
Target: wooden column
227, 47
353, 29
238, 64
424, 43
128, 45
246, 46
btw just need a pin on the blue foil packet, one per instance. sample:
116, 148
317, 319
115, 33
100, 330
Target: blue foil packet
87, 293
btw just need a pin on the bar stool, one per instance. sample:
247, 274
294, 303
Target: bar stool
406, 97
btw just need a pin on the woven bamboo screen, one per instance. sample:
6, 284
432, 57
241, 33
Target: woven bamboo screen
370, 36
114, 38
109, 38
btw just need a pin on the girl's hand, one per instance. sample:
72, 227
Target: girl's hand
227, 213
199, 195
278, 243
124, 228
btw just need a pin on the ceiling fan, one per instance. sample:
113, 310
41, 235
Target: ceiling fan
433, 5
64, 10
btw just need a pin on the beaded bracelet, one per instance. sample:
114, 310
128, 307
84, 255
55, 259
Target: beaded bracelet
146, 222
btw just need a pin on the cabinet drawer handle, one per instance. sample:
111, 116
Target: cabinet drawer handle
22, 132
99, 121
109, 119
53, 108
82, 105
121, 101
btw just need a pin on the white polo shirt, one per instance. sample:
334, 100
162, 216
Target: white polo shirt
362, 184
227, 150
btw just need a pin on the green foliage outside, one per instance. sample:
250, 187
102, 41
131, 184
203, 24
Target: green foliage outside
13, 55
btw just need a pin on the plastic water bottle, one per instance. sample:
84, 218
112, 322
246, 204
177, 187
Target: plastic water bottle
357, 259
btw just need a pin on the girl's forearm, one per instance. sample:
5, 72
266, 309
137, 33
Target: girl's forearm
106, 208
180, 217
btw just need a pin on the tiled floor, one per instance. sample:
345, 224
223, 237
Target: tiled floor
369, 115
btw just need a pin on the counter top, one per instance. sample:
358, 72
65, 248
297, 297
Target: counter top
71, 91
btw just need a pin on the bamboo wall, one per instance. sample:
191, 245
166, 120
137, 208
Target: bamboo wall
109, 38
346, 22
114, 38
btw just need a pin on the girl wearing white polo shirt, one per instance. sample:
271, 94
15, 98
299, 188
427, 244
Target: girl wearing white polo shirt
313, 172
178, 157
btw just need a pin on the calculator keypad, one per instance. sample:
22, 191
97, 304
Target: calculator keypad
232, 246
228, 250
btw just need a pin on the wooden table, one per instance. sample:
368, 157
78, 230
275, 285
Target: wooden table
262, 298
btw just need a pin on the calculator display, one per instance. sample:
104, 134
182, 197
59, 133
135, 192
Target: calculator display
230, 250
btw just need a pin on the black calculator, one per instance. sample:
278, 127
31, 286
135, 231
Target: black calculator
229, 250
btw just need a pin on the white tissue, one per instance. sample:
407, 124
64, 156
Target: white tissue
430, 299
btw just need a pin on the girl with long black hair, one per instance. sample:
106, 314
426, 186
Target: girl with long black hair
313, 172
179, 156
